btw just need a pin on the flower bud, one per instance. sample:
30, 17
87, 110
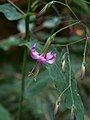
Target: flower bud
82, 71
56, 108
72, 116
63, 65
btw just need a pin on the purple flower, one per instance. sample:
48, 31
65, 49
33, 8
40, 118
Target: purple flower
42, 58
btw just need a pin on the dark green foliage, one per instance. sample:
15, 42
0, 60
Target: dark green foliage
10, 12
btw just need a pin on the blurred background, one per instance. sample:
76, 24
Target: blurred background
11, 57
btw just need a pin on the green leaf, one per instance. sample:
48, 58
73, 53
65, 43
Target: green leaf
62, 81
33, 88
10, 12
42, 92
82, 5
4, 115
38, 93
6, 44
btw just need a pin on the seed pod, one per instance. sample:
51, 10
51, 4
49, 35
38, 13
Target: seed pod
63, 65
56, 108
72, 116
82, 71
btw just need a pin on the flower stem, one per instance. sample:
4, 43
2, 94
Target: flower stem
26, 38
22, 85
51, 38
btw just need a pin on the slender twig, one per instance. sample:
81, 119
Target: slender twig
26, 38
48, 5
60, 96
85, 48
66, 2
70, 75
65, 28
84, 60
51, 38
71, 10
57, 12
59, 2
72, 43
69, 86
86, 29
16, 7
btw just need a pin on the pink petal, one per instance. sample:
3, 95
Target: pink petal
50, 57
42, 59
34, 54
